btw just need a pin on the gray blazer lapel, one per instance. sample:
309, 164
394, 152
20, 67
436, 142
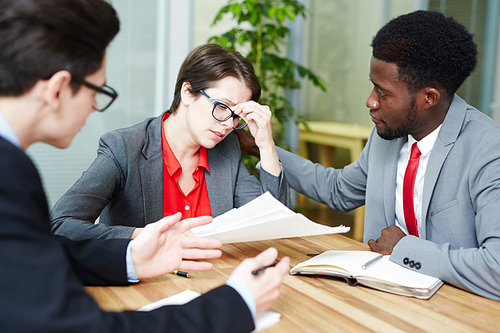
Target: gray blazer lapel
390, 173
448, 134
220, 176
152, 172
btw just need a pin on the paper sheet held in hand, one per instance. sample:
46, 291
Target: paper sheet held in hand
260, 219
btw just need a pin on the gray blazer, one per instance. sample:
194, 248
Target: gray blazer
124, 184
460, 240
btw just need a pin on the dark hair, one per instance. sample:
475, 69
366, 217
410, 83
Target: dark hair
430, 50
209, 63
38, 38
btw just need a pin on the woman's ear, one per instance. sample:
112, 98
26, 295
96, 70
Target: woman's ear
186, 96
57, 86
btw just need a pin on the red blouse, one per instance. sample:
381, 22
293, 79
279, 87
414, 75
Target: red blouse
196, 202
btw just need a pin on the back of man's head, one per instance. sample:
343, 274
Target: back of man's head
41, 37
430, 50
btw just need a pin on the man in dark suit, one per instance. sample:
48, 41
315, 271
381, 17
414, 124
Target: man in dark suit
52, 77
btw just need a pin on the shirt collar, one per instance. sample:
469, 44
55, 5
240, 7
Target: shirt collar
425, 145
7, 132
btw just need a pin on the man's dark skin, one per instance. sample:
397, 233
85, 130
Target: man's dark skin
396, 112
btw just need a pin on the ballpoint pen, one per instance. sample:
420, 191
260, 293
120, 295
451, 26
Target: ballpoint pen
260, 270
181, 273
372, 262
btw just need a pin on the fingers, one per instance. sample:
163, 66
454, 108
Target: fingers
275, 274
264, 287
252, 111
200, 254
167, 222
283, 267
269, 281
371, 244
200, 243
251, 106
190, 223
187, 265
266, 258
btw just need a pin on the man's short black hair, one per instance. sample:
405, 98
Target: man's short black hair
430, 50
38, 38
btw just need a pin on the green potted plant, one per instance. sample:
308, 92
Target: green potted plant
262, 37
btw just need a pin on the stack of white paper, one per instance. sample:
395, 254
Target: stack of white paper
260, 219
263, 320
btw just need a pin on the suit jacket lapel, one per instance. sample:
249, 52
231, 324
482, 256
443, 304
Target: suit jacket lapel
152, 172
390, 173
449, 132
218, 178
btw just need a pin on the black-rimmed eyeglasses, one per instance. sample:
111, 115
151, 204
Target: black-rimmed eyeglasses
104, 96
222, 112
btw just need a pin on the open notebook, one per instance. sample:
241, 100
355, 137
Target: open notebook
383, 275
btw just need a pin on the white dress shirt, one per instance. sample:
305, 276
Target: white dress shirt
7, 132
425, 146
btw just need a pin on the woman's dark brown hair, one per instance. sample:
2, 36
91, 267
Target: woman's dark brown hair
209, 63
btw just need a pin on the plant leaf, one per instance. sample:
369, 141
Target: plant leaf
290, 13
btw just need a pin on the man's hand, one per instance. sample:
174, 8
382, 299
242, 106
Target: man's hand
265, 287
388, 240
161, 247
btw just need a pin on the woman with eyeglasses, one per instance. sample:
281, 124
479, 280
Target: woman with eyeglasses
186, 160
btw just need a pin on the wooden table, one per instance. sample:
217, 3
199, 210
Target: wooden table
313, 304
328, 136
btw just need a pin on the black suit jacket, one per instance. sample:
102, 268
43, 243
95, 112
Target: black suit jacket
42, 276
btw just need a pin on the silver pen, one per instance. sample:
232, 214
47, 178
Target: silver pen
372, 262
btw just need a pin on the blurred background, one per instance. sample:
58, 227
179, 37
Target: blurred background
333, 41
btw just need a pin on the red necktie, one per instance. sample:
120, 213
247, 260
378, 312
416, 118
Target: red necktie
408, 183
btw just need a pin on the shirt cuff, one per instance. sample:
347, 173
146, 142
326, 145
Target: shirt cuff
245, 294
131, 273
259, 167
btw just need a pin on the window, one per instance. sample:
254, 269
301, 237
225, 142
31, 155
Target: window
337, 45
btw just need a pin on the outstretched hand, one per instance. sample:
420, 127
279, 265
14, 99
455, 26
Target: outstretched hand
162, 248
265, 287
388, 240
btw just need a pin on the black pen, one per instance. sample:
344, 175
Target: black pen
181, 273
260, 270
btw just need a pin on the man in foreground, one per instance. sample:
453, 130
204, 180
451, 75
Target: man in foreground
52, 77
429, 174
